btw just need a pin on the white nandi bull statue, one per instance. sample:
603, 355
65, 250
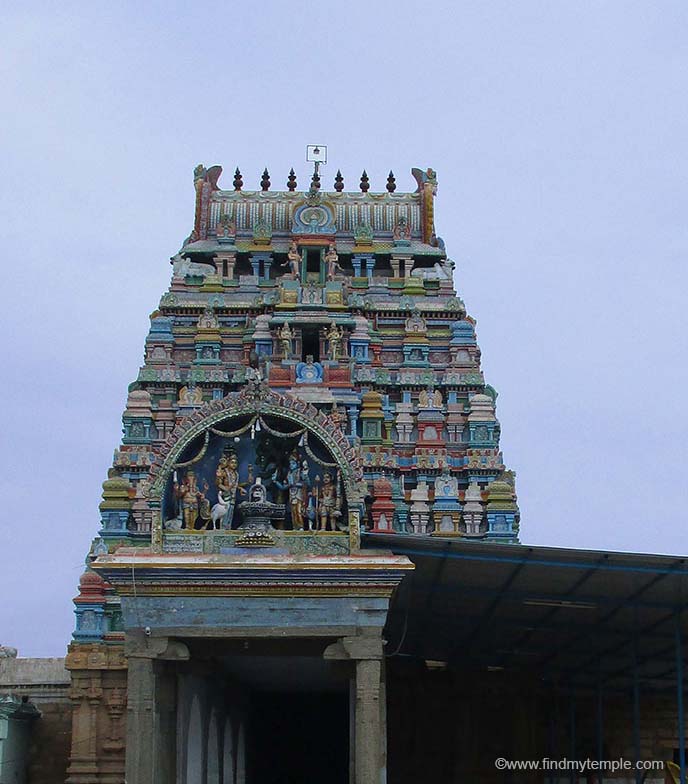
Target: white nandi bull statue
218, 512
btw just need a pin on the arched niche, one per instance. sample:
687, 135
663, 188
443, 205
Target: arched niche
260, 430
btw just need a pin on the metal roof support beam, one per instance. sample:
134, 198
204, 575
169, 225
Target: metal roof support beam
552, 612
515, 623
657, 657
610, 614
679, 700
434, 587
490, 611
600, 722
636, 712
573, 775
531, 595
553, 597
623, 644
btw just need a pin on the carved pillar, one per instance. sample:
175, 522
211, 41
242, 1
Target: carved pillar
368, 721
151, 711
141, 748
225, 265
352, 411
86, 693
367, 729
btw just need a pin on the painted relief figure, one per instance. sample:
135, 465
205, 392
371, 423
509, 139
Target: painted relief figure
332, 260
334, 336
294, 260
328, 507
227, 482
285, 338
191, 500
297, 483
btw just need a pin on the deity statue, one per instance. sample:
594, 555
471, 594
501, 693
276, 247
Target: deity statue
190, 396
226, 227
311, 295
446, 485
191, 498
253, 371
437, 399
332, 259
328, 507
309, 372
227, 482
208, 320
423, 398
297, 483
253, 375
285, 338
337, 416
294, 260
334, 335
402, 230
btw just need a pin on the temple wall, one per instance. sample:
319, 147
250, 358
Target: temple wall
43, 683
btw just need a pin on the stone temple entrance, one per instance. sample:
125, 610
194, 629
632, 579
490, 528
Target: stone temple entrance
263, 712
253, 623
247, 683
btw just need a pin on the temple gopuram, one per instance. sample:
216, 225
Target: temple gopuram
308, 564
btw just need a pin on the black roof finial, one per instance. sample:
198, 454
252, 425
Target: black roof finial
339, 182
291, 180
365, 185
238, 182
265, 180
391, 182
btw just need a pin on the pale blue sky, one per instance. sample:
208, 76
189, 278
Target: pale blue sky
558, 131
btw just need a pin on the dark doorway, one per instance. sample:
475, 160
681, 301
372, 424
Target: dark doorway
299, 738
310, 343
314, 265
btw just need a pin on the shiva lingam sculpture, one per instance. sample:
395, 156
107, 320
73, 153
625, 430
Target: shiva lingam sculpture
257, 514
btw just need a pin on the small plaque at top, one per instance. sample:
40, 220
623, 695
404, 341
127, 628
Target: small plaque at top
316, 153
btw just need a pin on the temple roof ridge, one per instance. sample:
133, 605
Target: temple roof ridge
222, 214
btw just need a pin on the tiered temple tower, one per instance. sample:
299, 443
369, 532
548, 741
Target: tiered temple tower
309, 375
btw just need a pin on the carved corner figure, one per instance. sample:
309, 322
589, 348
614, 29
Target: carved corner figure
427, 187
332, 259
285, 338
294, 261
334, 336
